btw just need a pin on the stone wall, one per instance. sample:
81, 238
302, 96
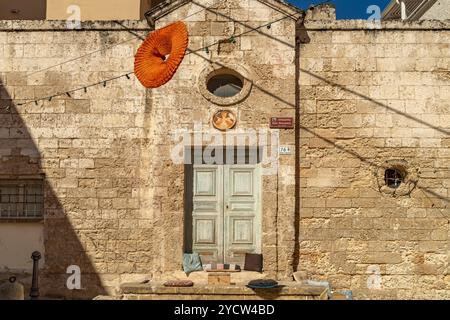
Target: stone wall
87, 147
265, 57
114, 199
373, 99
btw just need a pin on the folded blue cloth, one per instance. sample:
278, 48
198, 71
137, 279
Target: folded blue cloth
192, 262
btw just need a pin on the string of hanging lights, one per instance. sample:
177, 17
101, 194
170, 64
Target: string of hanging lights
108, 47
231, 39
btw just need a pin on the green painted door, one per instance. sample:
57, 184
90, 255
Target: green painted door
226, 212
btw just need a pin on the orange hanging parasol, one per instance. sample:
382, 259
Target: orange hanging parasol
159, 56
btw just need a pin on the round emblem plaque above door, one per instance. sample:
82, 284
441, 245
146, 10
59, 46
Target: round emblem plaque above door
224, 120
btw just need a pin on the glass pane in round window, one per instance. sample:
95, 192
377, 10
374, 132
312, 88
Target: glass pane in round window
224, 85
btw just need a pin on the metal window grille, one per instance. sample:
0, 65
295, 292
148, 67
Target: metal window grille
21, 199
393, 178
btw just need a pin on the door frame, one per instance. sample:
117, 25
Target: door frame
188, 199
188, 207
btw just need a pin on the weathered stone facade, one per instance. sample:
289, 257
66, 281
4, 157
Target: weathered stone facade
114, 198
266, 59
115, 201
368, 99
88, 146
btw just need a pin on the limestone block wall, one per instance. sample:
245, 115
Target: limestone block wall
373, 99
114, 198
87, 147
265, 57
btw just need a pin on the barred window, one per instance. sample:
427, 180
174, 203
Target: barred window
393, 178
21, 199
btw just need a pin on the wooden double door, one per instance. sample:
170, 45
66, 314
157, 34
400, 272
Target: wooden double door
226, 212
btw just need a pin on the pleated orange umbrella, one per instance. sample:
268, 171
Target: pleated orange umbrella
160, 55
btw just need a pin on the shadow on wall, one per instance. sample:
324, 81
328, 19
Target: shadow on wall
20, 158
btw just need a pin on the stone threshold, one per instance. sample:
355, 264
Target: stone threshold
287, 290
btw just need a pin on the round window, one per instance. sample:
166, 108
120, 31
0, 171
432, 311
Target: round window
397, 178
224, 85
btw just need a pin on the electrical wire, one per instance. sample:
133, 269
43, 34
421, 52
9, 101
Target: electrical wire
109, 47
79, 57
127, 75
84, 88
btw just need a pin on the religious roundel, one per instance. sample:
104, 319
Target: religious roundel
224, 120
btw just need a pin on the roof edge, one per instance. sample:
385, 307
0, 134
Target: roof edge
417, 13
169, 6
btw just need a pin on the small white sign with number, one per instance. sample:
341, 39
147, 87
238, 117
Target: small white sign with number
284, 150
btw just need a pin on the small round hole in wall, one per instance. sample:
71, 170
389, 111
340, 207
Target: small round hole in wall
397, 177
224, 85
393, 178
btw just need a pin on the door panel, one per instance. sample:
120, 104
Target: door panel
205, 182
205, 231
207, 235
241, 211
242, 230
242, 182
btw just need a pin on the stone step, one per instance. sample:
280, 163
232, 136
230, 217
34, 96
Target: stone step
201, 277
155, 290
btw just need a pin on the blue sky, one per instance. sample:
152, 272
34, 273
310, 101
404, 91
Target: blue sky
346, 9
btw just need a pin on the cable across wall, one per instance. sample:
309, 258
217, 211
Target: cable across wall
104, 82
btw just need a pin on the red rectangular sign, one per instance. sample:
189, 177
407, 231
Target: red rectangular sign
281, 123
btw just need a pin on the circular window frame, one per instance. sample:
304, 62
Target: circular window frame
236, 71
